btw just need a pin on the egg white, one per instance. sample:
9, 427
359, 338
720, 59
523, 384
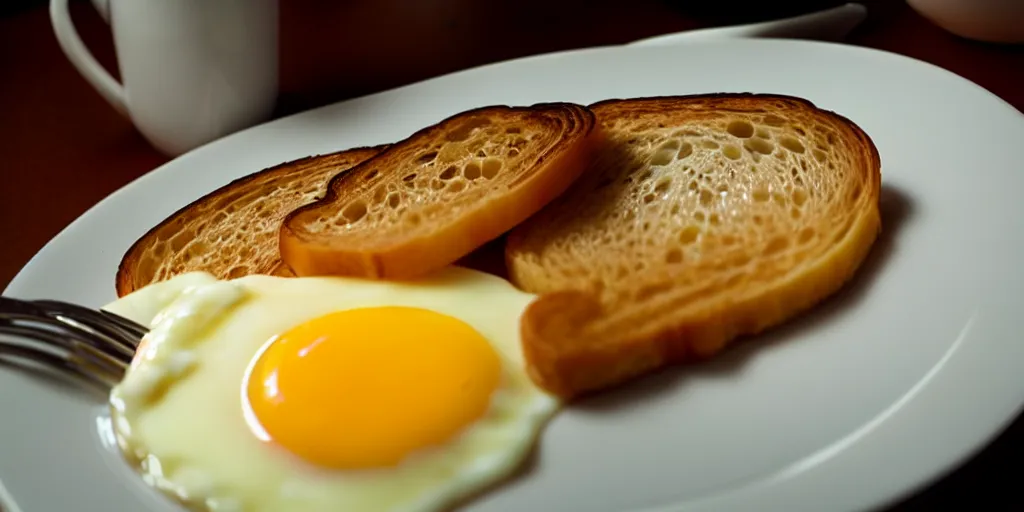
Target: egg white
178, 412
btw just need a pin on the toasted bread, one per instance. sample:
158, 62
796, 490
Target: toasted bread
437, 195
233, 230
704, 218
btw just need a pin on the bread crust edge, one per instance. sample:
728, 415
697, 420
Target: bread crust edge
125, 277
553, 328
455, 240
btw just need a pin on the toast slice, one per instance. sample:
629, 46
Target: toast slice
444, 191
233, 230
704, 218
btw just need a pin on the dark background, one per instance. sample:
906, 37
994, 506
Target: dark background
14, 6
708, 9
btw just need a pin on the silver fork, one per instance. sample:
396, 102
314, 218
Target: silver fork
94, 344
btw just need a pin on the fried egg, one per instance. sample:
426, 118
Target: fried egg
268, 393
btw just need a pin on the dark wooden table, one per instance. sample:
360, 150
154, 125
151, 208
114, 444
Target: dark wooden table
62, 148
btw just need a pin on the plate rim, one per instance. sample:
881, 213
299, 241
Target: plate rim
954, 457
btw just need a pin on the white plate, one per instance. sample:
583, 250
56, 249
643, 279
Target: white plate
908, 372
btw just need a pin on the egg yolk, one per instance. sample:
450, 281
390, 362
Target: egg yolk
366, 387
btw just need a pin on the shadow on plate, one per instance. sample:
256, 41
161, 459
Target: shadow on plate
59, 381
896, 208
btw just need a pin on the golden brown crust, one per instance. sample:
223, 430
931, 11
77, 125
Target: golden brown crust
447, 189
706, 218
233, 230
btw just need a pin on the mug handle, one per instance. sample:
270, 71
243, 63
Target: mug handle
80, 57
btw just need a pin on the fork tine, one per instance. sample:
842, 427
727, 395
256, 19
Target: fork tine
78, 349
57, 362
99, 362
33, 354
100, 316
98, 373
98, 338
70, 339
52, 337
123, 331
65, 333
20, 308
130, 326
109, 331
98, 345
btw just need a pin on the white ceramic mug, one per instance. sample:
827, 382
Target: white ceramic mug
192, 70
